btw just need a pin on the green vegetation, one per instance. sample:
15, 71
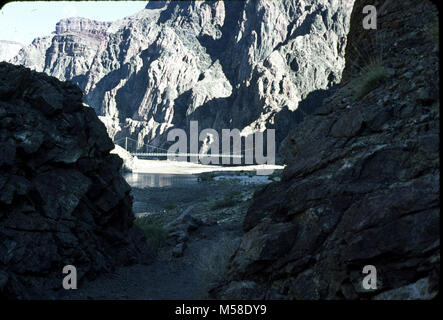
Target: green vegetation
250, 174
275, 176
433, 33
207, 177
169, 206
367, 65
155, 233
229, 200
370, 77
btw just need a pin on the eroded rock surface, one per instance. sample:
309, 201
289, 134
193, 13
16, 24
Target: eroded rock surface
63, 200
227, 64
362, 184
8, 49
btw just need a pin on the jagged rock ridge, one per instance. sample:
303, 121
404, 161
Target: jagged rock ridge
227, 64
8, 49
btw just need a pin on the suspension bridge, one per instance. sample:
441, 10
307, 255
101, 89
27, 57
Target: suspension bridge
154, 151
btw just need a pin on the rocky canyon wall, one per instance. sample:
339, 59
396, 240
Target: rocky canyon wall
227, 64
63, 200
362, 184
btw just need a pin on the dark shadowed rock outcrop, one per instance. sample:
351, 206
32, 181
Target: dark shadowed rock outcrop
63, 200
362, 184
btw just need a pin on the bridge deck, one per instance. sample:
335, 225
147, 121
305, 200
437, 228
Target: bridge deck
158, 154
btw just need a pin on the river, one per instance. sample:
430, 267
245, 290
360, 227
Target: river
155, 180
165, 173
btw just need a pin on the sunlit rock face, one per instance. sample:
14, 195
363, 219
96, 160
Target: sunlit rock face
8, 49
227, 64
34, 55
67, 53
81, 26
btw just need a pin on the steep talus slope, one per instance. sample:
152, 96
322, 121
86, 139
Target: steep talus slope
362, 184
227, 64
63, 200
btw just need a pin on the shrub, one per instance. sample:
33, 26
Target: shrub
229, 200
370, 77
207, 177
169, 206
224, 203
367, 68
433, 33
275, 176
250, 174
156, 235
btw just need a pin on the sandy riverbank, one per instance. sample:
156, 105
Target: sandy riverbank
179, 167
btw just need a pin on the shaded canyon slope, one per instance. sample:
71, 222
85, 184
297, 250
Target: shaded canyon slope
63, 200
362, 184
227, 64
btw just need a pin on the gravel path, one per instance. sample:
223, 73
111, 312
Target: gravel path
168, 277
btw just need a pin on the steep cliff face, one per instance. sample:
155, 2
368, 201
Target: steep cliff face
362, 184
67, 54
8, 49
34, 55
227, 64
63, 200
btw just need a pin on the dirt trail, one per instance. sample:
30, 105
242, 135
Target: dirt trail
186, 277
167, 278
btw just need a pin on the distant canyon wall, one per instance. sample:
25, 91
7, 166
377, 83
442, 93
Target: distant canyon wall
250, 65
